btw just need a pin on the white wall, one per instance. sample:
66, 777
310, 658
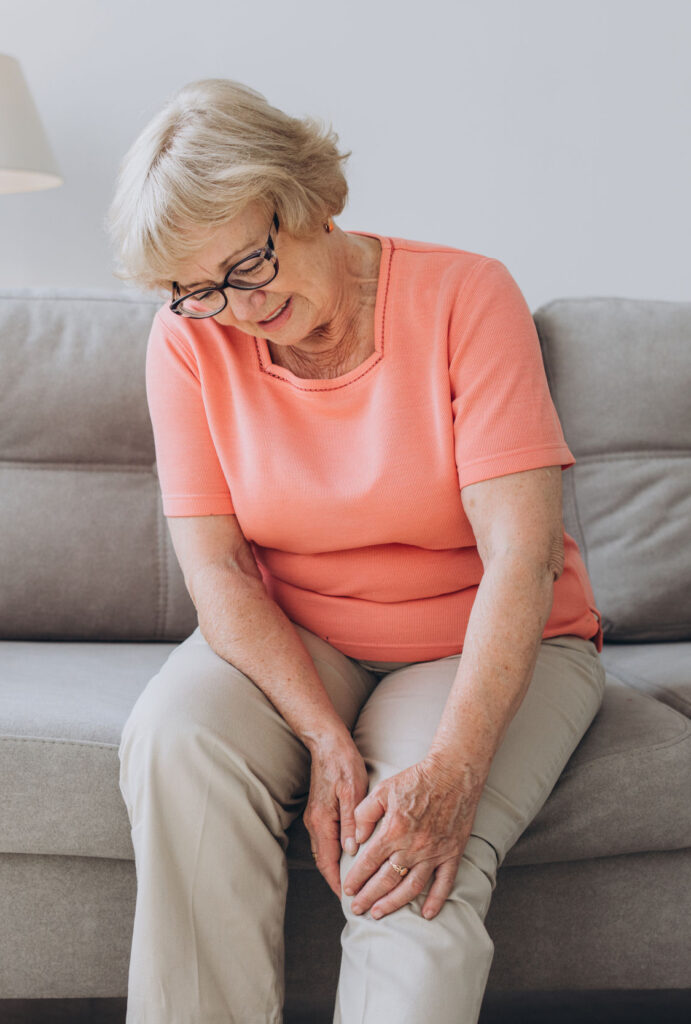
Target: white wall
552, 135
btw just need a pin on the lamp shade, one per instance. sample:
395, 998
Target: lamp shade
26, 160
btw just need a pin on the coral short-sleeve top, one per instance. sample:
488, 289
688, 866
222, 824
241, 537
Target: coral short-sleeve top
349, 489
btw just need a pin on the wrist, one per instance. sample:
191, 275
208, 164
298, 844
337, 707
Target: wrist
326, 738
456, 771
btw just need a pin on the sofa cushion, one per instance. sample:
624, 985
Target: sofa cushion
620, 376
662, 670
63, 707
624, 790
84, 547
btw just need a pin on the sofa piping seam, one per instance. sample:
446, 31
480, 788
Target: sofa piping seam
57, 740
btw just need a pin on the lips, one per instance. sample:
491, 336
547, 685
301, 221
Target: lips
276, 313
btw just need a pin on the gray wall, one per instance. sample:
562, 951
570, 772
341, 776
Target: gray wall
552, 135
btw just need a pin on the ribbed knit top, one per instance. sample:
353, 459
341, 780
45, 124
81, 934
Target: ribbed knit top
349, 489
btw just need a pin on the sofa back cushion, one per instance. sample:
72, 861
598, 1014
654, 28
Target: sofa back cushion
84, 548
619, 372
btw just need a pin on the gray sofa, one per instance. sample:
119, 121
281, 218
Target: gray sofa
597, 892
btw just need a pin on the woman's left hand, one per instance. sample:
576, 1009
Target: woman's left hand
427, 817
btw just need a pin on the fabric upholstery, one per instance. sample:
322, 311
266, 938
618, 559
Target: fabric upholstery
83, 545
63, 706
66, 927
594, 894
607, 923
620, 376
661, 670
625, 789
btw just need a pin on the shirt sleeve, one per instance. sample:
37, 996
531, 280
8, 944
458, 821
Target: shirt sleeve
190, 474
504, 419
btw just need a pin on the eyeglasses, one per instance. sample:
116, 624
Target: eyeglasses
253, 271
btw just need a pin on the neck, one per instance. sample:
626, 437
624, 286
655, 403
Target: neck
348, 337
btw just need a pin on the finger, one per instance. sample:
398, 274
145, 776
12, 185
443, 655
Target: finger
369, 860
328, 864
331, 871
381, 884
347, 815
368, 812
326, 850
405, 892
327, 856
440, 888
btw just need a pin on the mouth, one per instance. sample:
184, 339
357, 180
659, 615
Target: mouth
277, 316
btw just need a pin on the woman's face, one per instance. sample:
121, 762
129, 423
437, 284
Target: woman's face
310, 284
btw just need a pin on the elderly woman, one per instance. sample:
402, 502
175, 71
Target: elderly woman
360, 463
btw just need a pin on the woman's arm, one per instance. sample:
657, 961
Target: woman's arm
517, 521
243, 625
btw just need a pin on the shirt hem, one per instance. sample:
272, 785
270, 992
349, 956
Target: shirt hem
436, 651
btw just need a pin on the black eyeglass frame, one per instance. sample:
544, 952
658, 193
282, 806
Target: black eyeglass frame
268, 253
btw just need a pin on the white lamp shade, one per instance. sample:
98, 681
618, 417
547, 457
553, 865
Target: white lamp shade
26, 160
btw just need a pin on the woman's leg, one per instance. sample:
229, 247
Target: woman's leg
212, 776
403, 968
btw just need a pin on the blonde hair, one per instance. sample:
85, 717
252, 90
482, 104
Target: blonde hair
216, 146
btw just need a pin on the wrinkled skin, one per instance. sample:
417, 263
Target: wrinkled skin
425, 816
338, 784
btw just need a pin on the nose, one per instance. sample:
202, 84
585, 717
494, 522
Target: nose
247, 305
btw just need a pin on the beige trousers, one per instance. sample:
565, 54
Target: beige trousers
212, 776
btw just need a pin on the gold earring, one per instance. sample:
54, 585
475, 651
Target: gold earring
329, 226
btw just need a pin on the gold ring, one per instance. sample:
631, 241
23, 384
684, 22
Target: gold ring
313, 853
397, 867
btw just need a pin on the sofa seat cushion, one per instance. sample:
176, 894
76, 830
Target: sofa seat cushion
624, 790
62, 710
662, 670
63, 707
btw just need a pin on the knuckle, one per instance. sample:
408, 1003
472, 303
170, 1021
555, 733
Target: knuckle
314, 814
370, 865
416, 886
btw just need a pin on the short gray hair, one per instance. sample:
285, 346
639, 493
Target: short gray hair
216, 146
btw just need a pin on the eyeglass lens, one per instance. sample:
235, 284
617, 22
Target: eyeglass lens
253, 272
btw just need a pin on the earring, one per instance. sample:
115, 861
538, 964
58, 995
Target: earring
329, 226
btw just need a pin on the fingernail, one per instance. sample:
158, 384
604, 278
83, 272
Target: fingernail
348, 892
376, 914
358, 837
351, 846
428, 914
356, 908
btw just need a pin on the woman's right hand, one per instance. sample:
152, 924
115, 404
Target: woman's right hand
338, 783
